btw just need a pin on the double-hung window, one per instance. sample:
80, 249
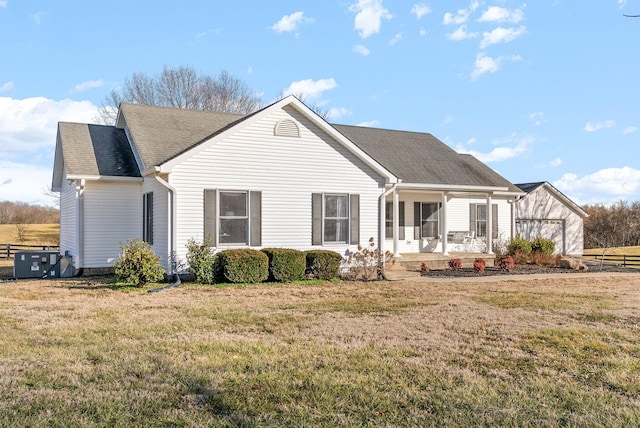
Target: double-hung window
388, 218
335, 218
478, 220
233, 217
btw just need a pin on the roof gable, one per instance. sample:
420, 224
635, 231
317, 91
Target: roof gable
532, 187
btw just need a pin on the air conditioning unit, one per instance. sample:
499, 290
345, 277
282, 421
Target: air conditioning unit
38, 264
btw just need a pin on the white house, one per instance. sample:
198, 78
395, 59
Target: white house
280, 177
545, 212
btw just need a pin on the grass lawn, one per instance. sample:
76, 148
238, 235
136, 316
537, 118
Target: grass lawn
511, 351
35, 234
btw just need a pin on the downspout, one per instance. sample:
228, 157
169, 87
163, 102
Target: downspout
381, 225
80, 224
172, 223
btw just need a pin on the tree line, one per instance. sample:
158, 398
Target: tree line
616, 225
24, 213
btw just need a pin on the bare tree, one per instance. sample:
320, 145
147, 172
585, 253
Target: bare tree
183, 88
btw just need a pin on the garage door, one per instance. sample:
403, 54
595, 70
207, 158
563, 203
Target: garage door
548, 228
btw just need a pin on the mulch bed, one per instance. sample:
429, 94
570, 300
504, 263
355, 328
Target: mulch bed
527, 269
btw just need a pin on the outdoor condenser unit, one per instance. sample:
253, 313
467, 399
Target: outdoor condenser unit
40, 264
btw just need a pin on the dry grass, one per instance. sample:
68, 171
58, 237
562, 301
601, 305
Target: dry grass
526, 352
632, 251
36, 234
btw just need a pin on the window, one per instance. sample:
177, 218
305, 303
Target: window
147, 218
478, 220
388, 216
426, 219
233, 217
335, 218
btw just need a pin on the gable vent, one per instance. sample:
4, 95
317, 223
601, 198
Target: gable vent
287, 128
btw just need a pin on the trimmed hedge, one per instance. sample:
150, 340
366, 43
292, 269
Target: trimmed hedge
285, 264
242, 266
519, 245
323, 264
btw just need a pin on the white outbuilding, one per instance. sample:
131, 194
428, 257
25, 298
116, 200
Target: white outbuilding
545, 212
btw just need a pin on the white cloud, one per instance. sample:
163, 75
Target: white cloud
338, 112
6, 87
423, 32
310, 89
501, 35
461, 16
500, 14
556, 162
537, 118
396, 39
28, 134
461, 34
290, 23
420, 10
513, 147
629, 130
369, 16
485, 64
359, 49
622, 3
3, 3
37, 18
605, 185
89, 84
448, 120
369, 123
596, 126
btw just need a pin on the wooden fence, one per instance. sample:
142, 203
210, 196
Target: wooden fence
7, 251
626, 260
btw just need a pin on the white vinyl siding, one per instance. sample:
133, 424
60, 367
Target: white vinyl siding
68, 220
537, 211
286, 170
112, 216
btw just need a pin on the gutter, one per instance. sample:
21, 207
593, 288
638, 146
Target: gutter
381, 225
80, 187
172, 222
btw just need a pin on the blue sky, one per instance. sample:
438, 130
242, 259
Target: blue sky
540, 91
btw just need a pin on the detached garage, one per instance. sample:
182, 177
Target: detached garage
545, 212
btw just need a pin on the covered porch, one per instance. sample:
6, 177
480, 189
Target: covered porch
434, 223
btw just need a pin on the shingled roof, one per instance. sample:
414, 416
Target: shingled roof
421, 158
96, 150
161, 133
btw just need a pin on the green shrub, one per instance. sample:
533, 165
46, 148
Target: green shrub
323, 264
201, 261
519, 245
543, 245
242, 266
285, 264
137, 264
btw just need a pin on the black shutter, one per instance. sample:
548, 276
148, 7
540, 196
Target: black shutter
354, 220
147, 221
316, 219
494, 221
401, 220
210, 214
416, 220
472, 219
255, 223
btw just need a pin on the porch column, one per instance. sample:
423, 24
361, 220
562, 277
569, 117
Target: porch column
396, 224
489, 225
445, 227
